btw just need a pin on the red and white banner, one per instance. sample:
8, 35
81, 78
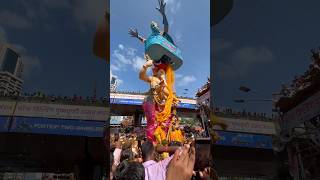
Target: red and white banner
303, 112
6, 108
58, 111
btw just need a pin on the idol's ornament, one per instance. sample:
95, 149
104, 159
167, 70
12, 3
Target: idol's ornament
160, 104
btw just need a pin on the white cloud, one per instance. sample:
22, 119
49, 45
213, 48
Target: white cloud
138, 63
121, 57
177, 75
171, 22
184, 80
178, 37
125, 57
120, 81
243, 59
114, 67
178, 5
111, 74
131, 51
173, 5
13, 20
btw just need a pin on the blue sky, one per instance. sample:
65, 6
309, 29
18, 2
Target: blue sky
189, 26
262, 44
54, 39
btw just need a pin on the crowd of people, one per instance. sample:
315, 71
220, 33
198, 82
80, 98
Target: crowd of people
51, 98
133, 157
194, 130
204, 88
302, 82
229, 112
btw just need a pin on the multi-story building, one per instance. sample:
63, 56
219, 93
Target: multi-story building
10, 71
298, 122
9, 84
113, 84
244, 147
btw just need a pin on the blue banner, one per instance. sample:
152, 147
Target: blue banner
58, 126
4, 122
245, 140
139, 102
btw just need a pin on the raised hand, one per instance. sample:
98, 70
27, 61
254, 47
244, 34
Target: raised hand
133, 33
149, 61
182, 164
162, 6
147, 57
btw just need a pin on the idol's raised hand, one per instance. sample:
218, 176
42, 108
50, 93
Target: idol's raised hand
149, 61
162, 6
133, 33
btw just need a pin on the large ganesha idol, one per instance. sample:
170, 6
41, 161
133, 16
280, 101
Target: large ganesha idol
164, 57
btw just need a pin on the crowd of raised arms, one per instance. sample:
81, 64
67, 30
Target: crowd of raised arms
135, 158
310, 77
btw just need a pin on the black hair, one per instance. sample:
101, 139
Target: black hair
147, 149
175, 143
126, 154
129, 171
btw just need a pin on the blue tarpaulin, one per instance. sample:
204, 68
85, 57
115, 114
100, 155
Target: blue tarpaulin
245, 140
4, 120
58, 126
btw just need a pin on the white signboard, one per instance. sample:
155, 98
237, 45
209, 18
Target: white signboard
249, 126
126, 96
58, 111
303, 112
141, 97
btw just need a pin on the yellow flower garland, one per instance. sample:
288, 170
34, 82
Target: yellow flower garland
166, 113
